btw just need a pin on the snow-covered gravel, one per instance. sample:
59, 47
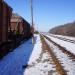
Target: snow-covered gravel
67, 37
69, 46
44, 67
40, 63
36, 50
66, 62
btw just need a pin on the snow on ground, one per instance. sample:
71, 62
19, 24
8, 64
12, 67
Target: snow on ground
67, 37
12, 64
69, 46
67, 63
40, 63
36, 50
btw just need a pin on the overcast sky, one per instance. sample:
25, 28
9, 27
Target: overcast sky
47, 13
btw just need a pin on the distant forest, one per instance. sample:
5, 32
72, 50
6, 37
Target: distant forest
66, 29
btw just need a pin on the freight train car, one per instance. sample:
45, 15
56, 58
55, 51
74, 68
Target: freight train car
7, 12
13, 29
16, 23
0, 20
20, 26
5, 15
26, 29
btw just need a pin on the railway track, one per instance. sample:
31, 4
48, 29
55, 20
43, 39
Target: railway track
64, 39
55, 60
71, 55
58, 55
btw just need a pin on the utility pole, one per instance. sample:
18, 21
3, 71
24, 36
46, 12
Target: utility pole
32, 25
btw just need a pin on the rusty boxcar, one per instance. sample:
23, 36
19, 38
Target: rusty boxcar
5, 15
20, 25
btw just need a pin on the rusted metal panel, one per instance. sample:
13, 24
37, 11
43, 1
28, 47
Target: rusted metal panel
20, 25
5, 23
17, 23
1, 23
5, 13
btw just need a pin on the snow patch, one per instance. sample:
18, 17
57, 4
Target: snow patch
67, 63
40, 63
69, 46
